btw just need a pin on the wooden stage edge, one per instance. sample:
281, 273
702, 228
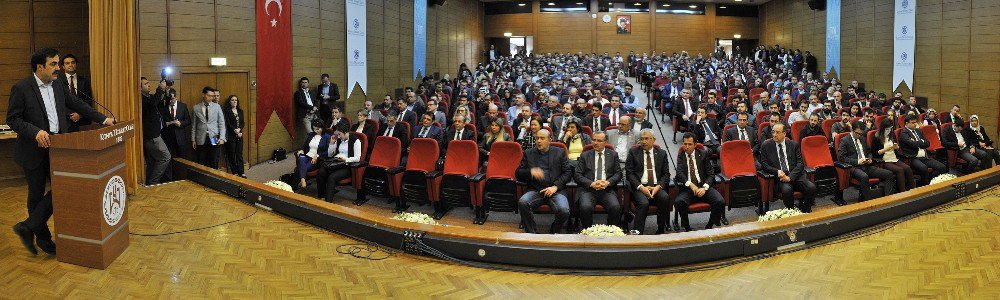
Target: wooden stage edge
578, 251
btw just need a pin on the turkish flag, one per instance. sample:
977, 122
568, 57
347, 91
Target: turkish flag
274, 63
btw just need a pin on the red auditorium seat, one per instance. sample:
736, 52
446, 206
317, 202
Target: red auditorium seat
796, 133
739, 182
456, 187
375, 179
413, 184
497, 189
821, 168
828, 127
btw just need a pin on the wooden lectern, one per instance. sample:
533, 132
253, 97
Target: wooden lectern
88, 194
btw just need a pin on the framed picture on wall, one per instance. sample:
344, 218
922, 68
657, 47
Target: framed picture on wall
624, 24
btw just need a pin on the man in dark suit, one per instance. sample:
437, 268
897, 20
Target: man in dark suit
39, 107
456, 132
597, 175
522, 120
546, 170
426, 128
743, 132
641, 120
79, 86
174, 133
648, 171
402, 114
854, 153
704, 131
811, 129
336, 121
913, 145
952, 139
330, 94
306, 106
595, 120
685, 108
694, 179
615, 111
765, 133
395, 129
781, 158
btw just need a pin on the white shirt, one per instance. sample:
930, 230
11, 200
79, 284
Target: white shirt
960, 138
920, 151
342, 151
599, 161
392, 127
690, 157
857, 145
309, 99
622, 145
314, 146
49, 99
782, 148
72, 80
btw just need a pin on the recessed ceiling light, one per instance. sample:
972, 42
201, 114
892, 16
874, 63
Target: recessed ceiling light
520, 4
666, 5
722, 7
739, 0
579, 3
637, 4
693, 6
550, 3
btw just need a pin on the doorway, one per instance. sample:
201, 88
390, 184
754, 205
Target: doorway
228, 83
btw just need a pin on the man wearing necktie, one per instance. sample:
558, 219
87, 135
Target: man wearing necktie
597, 175
456, 132
615, 111
648, 173
781, 158
596, 121
695, 173
913, 145
704, 131
427, 129
79, 86
208, 128
743, 132
855, 154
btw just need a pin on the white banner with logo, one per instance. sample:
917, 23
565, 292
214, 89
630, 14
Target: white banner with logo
905, 30
357, 45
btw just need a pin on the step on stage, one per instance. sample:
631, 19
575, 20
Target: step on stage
472, 245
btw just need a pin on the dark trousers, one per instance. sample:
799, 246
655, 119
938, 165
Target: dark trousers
39, 200
234, 155
662, 201
972, 161
208, 154
989, 154
532, 199
863, 173
304, 164
920, 166
712, 197
806, 187
176, 151
607, 198
327, 180
904, 175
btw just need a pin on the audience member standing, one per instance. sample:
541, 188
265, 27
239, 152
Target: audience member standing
234, 129
208, 129
154, 149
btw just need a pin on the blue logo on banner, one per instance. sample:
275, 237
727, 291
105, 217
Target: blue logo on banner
357, 54
356, 24
903, 56
904, 29
906, 3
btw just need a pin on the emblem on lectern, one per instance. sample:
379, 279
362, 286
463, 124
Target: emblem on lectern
114, 200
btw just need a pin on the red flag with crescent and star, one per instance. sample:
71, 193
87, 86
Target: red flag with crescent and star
274, 63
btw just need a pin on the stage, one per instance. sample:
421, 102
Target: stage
258, 253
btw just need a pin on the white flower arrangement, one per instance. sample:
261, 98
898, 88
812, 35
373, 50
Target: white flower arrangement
603, 230
279, 185
779, 214
942, 178
415, 217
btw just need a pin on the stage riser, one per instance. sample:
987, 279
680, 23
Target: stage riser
590, 257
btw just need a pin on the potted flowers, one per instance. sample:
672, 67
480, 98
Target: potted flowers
779, 214
415, 217
603, 230
279, 185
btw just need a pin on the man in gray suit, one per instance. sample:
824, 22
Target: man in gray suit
208, 128
623, 139
558, 122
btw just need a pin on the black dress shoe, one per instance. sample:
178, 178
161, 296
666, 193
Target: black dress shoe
660, 230
47, 246
26, 236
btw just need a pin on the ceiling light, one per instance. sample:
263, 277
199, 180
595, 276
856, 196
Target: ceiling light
579, 3
739, 0
508, 34
722, 7
551, 3
666, 5
637, 4
693, 6
520, 4
736, 36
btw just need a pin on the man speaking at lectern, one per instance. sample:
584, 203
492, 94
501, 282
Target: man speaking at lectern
37, 109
